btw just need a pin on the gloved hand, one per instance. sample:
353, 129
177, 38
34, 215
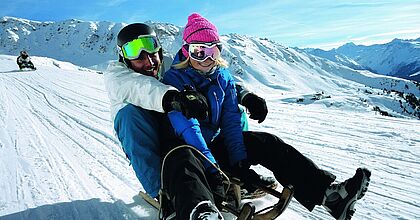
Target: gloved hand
256, 107
191, 103
248, 176
215, 180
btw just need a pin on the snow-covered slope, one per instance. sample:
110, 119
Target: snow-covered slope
60, 160
399, 58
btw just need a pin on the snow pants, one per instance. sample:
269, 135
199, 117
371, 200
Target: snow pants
184, 180
288, 165
26, 65
138, 130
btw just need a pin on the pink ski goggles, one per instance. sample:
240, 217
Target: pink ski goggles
201, 51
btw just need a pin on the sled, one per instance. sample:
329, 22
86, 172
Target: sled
150, 200
26, 69
248, 210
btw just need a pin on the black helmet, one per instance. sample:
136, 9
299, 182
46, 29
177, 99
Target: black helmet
131, 32
24, 54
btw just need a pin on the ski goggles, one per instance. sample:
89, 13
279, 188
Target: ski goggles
201, 51
149, 43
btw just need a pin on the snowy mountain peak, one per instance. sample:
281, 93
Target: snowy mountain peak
349, 45
84, 43
400, 57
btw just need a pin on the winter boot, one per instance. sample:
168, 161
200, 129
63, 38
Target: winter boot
205, 210
251, 192
339, 199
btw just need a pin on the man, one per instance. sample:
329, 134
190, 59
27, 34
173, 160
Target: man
137, 98
24, 61
138, 101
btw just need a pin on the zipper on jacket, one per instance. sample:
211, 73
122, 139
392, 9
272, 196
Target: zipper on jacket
217, 107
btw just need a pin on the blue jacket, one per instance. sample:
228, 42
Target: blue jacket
224, 115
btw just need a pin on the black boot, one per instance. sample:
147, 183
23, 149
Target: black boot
251, 192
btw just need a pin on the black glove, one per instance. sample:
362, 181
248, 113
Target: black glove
256, 107
215, 180
191, 103
248, 176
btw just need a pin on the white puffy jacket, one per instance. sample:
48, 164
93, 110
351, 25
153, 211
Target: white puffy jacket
126, 86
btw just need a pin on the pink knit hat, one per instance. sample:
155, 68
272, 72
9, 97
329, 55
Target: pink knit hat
199, 29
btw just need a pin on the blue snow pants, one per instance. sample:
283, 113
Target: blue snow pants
137, 130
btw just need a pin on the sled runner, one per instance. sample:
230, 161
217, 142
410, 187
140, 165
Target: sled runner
27, 69
248, 210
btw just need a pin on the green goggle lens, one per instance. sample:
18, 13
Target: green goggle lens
131, 50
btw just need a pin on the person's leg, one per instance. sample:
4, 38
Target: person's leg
31, 65
288, 165
313, 186
137, 130
185, 183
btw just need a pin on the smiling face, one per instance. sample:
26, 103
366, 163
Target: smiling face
204, 66
147, 64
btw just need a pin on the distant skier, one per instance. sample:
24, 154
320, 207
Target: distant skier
24, 61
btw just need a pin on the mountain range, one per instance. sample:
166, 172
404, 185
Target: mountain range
400, 58
297, 74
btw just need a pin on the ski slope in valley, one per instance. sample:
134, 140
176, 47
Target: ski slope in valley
59, 158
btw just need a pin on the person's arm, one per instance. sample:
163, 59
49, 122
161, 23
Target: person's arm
257, 107
231, 123
18, 60
188, 129
128, 86
241, 91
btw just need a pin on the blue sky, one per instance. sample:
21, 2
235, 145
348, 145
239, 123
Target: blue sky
314, 23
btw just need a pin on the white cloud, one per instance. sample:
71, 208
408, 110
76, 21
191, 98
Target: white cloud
412, 33
324, 23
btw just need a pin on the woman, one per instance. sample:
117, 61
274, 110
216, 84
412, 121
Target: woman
221, 139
